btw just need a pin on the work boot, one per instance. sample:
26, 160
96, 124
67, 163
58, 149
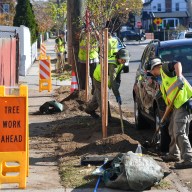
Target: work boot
183, 165
170, 158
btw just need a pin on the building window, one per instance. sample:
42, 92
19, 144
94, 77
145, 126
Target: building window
159, 7
154, 7
5, 8
171, 22
177, 6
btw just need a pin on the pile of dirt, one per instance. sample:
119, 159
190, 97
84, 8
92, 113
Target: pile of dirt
71, 101
112, 144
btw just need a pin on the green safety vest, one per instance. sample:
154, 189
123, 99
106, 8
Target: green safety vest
112, 48
169, 88
97, 72
93, 53
60, 45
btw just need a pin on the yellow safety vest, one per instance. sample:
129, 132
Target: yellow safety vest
60, 45
113, 48
97, 73
169, 88
93, 53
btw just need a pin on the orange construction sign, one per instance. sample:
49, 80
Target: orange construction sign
12, 124
14, 135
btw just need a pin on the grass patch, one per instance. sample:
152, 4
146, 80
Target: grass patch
62, 76
163, 184
73, 175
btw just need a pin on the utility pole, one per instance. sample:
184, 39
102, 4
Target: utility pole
75, 10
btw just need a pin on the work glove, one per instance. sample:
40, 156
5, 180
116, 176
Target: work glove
180, 81
118, 99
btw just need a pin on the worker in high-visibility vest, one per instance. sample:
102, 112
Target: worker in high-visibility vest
93, 58
115, 69
60, 51
172, 80
112, 48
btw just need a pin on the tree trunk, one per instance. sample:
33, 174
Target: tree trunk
75, 10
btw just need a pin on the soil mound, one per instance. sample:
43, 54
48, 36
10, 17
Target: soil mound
119, 143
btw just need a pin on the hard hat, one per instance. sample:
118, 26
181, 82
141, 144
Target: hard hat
123, 54
155, 62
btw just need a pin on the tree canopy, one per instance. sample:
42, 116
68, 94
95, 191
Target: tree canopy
111, 11
50, 15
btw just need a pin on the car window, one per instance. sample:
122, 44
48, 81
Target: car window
148, 54
188, 35
179, 53
144, 56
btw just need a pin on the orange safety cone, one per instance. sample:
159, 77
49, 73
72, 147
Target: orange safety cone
74, 84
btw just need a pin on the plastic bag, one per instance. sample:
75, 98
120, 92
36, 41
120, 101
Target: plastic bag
132, 172
51, 107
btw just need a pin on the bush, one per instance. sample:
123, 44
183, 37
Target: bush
25, 16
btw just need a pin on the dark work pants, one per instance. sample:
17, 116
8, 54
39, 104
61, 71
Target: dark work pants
82, 74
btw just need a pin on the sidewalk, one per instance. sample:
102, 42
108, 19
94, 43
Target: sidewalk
42, 161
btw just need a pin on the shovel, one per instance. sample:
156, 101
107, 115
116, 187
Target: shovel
166, 114
121, 118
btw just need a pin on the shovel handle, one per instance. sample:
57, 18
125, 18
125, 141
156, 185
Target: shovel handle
169, 108
121, 118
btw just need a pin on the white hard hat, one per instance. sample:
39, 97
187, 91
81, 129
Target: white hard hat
155, 62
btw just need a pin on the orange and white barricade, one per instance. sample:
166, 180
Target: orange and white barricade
74, 83
43, 50
45, 82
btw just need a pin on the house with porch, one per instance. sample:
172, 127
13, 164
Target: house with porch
172, 13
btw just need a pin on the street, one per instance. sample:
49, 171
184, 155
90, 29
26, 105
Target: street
127, 79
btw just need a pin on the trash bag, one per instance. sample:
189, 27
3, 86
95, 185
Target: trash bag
132, 172
51, 107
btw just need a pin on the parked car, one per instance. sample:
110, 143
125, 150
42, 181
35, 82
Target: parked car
121, 45
184, 35
129, 34
149, 106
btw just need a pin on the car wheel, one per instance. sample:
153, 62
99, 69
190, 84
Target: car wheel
163, 138
125, 39
126, 69
140, 122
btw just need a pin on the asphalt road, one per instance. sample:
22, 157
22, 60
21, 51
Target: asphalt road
127, 79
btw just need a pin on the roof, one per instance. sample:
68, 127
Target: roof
177, 42
171, 14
